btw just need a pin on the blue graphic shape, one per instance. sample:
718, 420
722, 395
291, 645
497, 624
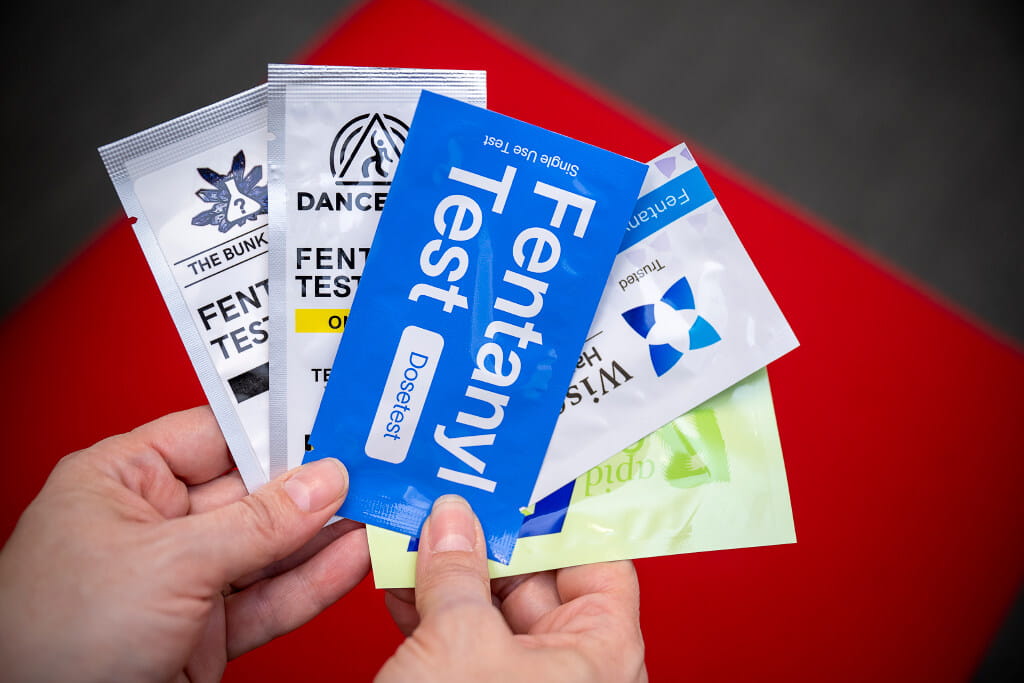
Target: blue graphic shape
230, 208
680, 296
702, 334
664, 357
641, 319
548, 516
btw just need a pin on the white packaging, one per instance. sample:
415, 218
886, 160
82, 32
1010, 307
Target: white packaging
336, 136
196, 188
684, 316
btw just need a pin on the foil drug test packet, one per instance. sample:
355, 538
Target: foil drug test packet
337, 135
197, 190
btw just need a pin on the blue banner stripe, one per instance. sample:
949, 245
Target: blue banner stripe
666, 204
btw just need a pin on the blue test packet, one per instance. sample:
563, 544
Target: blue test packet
481, 283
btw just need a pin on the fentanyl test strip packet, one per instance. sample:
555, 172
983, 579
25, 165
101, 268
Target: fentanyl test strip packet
195, 187
684, 315
482, 281
336, 136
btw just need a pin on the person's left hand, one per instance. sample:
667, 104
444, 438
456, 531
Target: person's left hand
141, 560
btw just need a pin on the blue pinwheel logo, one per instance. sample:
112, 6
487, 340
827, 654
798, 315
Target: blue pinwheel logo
236, 196
671, 326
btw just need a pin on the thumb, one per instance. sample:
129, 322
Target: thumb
267, 525
451, 566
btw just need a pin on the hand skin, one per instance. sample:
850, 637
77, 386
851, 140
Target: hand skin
574, 624
140, 560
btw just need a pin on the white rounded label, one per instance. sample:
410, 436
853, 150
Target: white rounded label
405, 392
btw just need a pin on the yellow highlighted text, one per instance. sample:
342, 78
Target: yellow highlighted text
320, 319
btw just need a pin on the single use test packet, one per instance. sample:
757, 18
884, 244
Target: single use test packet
196, 188
712, 479
481, 284
337, 133
684, 315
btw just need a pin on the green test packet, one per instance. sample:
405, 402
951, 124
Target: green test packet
712, 479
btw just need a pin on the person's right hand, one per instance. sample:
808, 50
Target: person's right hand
141, 560
574, 624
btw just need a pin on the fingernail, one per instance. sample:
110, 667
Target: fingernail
317, 485
452, 525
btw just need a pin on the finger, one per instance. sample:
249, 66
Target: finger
190, 442
216, 493
451, 565
614, 579
401, 603
610, 615
527, 598
323, 538
276, 606
263, 527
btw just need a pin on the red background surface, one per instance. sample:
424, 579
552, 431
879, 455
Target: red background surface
897, 418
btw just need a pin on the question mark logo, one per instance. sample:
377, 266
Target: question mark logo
240, 203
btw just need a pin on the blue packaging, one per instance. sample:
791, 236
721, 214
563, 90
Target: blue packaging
480, 287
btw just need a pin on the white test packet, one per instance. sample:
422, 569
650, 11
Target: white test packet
684, 316
196, 188
336, 134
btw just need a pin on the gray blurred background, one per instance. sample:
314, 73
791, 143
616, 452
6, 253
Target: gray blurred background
899, 123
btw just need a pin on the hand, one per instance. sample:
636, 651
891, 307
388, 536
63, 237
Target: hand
138, 561
575, 624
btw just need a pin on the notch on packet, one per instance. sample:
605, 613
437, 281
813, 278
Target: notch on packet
481, 283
